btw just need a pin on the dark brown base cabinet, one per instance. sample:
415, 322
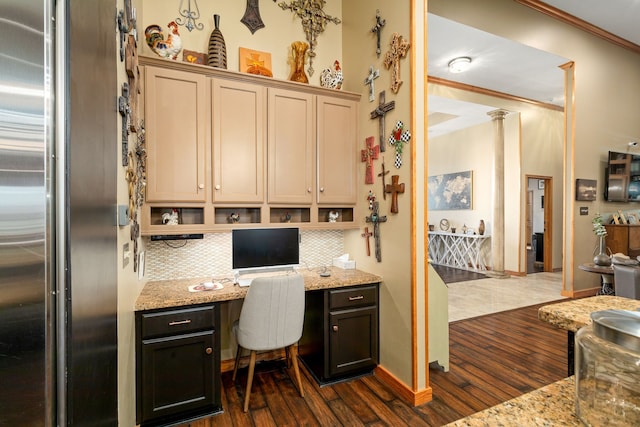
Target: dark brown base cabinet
340, 337
177, 365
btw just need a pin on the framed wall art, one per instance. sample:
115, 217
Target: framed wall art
255, 62
586, 189
450, 191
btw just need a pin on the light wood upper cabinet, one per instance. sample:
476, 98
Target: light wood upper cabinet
238, 133
336, 150
290, 146
176, 123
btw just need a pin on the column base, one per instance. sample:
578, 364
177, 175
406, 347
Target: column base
496, 274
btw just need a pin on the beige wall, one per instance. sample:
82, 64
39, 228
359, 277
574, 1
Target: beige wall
606, 106
395, 293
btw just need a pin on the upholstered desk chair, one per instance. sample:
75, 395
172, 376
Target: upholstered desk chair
626, 280
272, 317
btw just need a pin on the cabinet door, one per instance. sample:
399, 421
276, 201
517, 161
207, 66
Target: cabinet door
337, 150
176, 117
238, 129
290, 142
353, 340
178, 375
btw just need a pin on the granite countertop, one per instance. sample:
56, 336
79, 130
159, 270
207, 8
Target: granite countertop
551, 405
175, 293
574, 314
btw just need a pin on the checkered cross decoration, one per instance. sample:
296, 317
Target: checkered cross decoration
399, 136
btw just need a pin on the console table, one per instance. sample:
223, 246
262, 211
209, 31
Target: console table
464, 251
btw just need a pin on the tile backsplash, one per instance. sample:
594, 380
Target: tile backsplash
211, 256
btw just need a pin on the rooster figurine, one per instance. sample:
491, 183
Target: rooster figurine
332, 79
166, 48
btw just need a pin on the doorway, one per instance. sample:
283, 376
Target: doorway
538, 230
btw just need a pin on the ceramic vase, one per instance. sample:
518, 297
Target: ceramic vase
481, 227
217, 46
602, 259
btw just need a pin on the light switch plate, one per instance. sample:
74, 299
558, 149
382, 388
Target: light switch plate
123, 215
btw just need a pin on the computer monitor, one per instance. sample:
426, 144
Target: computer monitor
258, 249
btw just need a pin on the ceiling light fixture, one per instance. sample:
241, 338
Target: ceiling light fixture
460, 64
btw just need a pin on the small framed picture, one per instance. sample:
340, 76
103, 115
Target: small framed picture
194, 57
255, 62
586, 189
632, 218
541, 184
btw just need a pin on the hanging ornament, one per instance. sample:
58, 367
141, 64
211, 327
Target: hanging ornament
398, 138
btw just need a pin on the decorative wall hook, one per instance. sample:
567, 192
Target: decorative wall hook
190, 16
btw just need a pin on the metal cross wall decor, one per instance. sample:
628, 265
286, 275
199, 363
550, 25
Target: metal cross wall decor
379, 113
314, 22
378, 29
125, 111
383, 174
376, 219
373, 74
399, 48
252, 18
369, 154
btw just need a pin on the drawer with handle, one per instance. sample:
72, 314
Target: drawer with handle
353, 297
180, 321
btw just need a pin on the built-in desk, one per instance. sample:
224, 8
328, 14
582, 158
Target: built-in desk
178, 349
464, 251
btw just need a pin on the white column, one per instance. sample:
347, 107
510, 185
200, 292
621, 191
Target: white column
497, 229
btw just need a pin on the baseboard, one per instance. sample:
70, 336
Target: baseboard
516, 273
582, 293
410, 397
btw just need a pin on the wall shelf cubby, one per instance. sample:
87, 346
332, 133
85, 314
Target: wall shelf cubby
243, 215
190, 216
344, 214
289, 215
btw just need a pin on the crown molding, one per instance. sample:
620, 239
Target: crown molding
489, 92
556, 13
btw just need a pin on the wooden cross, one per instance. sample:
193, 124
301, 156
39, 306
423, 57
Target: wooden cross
378, 29
314, 21
379, 113
366, 235
399, 48
369, 154
252, 18
382, 174
373, 74
376, 219
394, 189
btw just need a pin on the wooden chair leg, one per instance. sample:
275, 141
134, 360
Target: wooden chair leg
293, 351
252, 365
235, 366
287, 356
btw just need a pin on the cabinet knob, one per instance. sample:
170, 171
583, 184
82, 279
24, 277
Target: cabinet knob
322, 189
201, 186
209, 350
218, 187
309, 190
335, 328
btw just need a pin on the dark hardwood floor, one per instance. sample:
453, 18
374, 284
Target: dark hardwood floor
451, 274
493, 359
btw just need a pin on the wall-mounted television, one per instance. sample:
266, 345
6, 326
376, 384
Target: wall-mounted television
265, 248
622, 177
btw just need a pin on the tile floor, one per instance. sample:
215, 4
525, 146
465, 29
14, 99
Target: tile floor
484, 296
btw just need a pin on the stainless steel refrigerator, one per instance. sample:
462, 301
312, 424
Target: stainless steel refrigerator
58, 241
